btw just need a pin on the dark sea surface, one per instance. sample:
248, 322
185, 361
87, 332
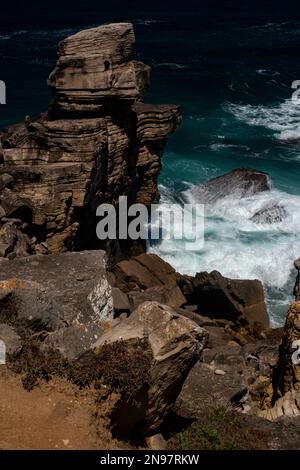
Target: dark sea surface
230, 67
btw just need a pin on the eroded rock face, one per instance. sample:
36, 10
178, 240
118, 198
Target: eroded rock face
221, 297
176, 343
97, 141
289, 369
239, 183
66, 295
231, 376
96, 64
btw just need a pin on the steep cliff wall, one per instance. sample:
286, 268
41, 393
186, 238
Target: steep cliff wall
97, 141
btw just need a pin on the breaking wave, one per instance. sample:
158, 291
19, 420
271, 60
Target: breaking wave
240, 248
284, 118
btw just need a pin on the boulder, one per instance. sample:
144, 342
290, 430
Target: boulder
230, 376
271, 214
196, 317
13, 241
238, 184
95, 64
143, 272
218, 336
204, 389
176, 344
121, 301
11, 339
168, 295
67, 295
72, 341
231, 299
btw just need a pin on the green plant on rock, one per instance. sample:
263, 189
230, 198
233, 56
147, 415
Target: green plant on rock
218, 429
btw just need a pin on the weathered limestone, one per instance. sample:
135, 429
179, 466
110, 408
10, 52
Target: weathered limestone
66, 295
96, 64
289, 369
97, 141
221, 297
176, 344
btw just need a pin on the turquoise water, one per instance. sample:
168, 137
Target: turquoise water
231, 70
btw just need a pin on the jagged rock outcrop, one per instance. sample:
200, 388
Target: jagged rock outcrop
144, 272
97, 141
220, 297
286, 376
176, 344
148, 277
232, 376
239, 183
289, 363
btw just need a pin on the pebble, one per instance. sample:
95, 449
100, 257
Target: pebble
220, 372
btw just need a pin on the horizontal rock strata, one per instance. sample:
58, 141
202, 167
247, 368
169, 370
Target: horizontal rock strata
97, 141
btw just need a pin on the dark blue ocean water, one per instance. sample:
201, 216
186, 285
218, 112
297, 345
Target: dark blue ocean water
230, 67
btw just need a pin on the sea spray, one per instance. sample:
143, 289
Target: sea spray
242, 249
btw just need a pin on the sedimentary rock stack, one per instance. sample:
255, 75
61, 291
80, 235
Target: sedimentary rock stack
96, 142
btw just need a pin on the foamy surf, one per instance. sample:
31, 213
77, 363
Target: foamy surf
283, 118
242, 249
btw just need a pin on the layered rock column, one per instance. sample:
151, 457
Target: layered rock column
289, 358
97, 141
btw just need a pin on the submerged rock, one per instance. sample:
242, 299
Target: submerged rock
271, 214
239, 183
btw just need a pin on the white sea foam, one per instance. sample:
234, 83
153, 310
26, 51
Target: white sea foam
7, 36
283, 118
147, 22
170, 65
221, 146
267, 72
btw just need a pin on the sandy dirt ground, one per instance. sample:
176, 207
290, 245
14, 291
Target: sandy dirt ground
55, 415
